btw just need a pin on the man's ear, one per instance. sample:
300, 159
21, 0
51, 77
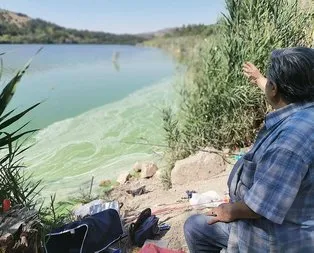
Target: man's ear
273, 89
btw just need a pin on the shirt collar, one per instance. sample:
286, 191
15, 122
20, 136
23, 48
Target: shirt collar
273, 118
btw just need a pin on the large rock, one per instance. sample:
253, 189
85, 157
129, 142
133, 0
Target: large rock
123, 177
148, 170
198, 167
137, 167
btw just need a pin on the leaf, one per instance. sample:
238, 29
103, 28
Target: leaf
16, 117
9, 89
6, 115
5, 140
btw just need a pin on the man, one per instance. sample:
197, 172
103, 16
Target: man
272, 186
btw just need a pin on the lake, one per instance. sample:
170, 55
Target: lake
97, 102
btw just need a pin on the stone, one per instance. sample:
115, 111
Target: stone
148, 170
226, 151
201, 166
158, 174
137, 167
123, 177
105, 183
138, 191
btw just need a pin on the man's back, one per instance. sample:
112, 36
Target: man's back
275, 179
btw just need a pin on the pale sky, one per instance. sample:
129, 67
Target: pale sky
120, 16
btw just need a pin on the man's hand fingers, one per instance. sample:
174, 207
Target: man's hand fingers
250, 64
247, 69
247, 75
213, 221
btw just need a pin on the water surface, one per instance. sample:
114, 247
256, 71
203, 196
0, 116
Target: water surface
94, 100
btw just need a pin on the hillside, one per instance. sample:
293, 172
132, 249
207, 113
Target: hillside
19, 28
183, 42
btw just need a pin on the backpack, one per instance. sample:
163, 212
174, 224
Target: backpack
95, 233
146, 227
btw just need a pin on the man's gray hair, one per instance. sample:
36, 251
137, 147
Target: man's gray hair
292, 70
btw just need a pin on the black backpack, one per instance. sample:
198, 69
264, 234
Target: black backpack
95, 233
146, 227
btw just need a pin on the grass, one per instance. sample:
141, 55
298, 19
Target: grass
218, 107
106, 186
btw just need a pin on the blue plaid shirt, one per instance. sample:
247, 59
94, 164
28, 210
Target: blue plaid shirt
276, 180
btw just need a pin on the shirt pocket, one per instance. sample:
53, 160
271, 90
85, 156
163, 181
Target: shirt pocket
245, 178
248, 172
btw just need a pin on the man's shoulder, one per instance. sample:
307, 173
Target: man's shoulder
302, 120
297, 134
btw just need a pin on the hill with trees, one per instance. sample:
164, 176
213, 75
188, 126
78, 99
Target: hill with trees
19, 28
201, 30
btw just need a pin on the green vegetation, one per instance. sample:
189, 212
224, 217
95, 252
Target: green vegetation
56, 214
15, 184
18, 28
200, 30
217, 105
107, 186
185, 42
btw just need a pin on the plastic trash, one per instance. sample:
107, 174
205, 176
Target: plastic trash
207, 199
226, 197
96, 206
164, 227
189, 193
158, 243
6, 205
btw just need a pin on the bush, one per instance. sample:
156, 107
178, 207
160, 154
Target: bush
15, 184
218, 107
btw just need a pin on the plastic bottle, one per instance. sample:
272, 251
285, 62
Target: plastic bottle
6, 205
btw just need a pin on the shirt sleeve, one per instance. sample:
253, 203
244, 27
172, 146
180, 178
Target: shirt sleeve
277, 180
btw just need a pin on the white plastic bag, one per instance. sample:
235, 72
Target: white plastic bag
207, 199
94, 207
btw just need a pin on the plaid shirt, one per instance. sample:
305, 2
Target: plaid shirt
276, 180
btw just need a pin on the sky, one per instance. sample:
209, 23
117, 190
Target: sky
120, 16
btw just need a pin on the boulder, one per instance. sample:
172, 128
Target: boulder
158, 174
123, 177
137, 167
201, 166
226, 151
148, 170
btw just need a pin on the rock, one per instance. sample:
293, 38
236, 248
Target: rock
139, 191
105, 183
226, 151
123, 177
198, 167
137, 167
158, 174
148, 170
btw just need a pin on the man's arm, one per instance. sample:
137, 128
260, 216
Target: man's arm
231, 212
254, 75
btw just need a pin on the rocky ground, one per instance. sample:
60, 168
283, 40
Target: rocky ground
202, 172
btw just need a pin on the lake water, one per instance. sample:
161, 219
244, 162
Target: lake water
91, 107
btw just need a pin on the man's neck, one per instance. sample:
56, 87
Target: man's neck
280, 104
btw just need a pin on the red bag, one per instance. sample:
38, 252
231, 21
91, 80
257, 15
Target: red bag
151, 248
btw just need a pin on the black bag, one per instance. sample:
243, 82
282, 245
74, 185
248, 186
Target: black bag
146, 227
94, 233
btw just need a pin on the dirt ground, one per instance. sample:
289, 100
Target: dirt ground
171, 206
